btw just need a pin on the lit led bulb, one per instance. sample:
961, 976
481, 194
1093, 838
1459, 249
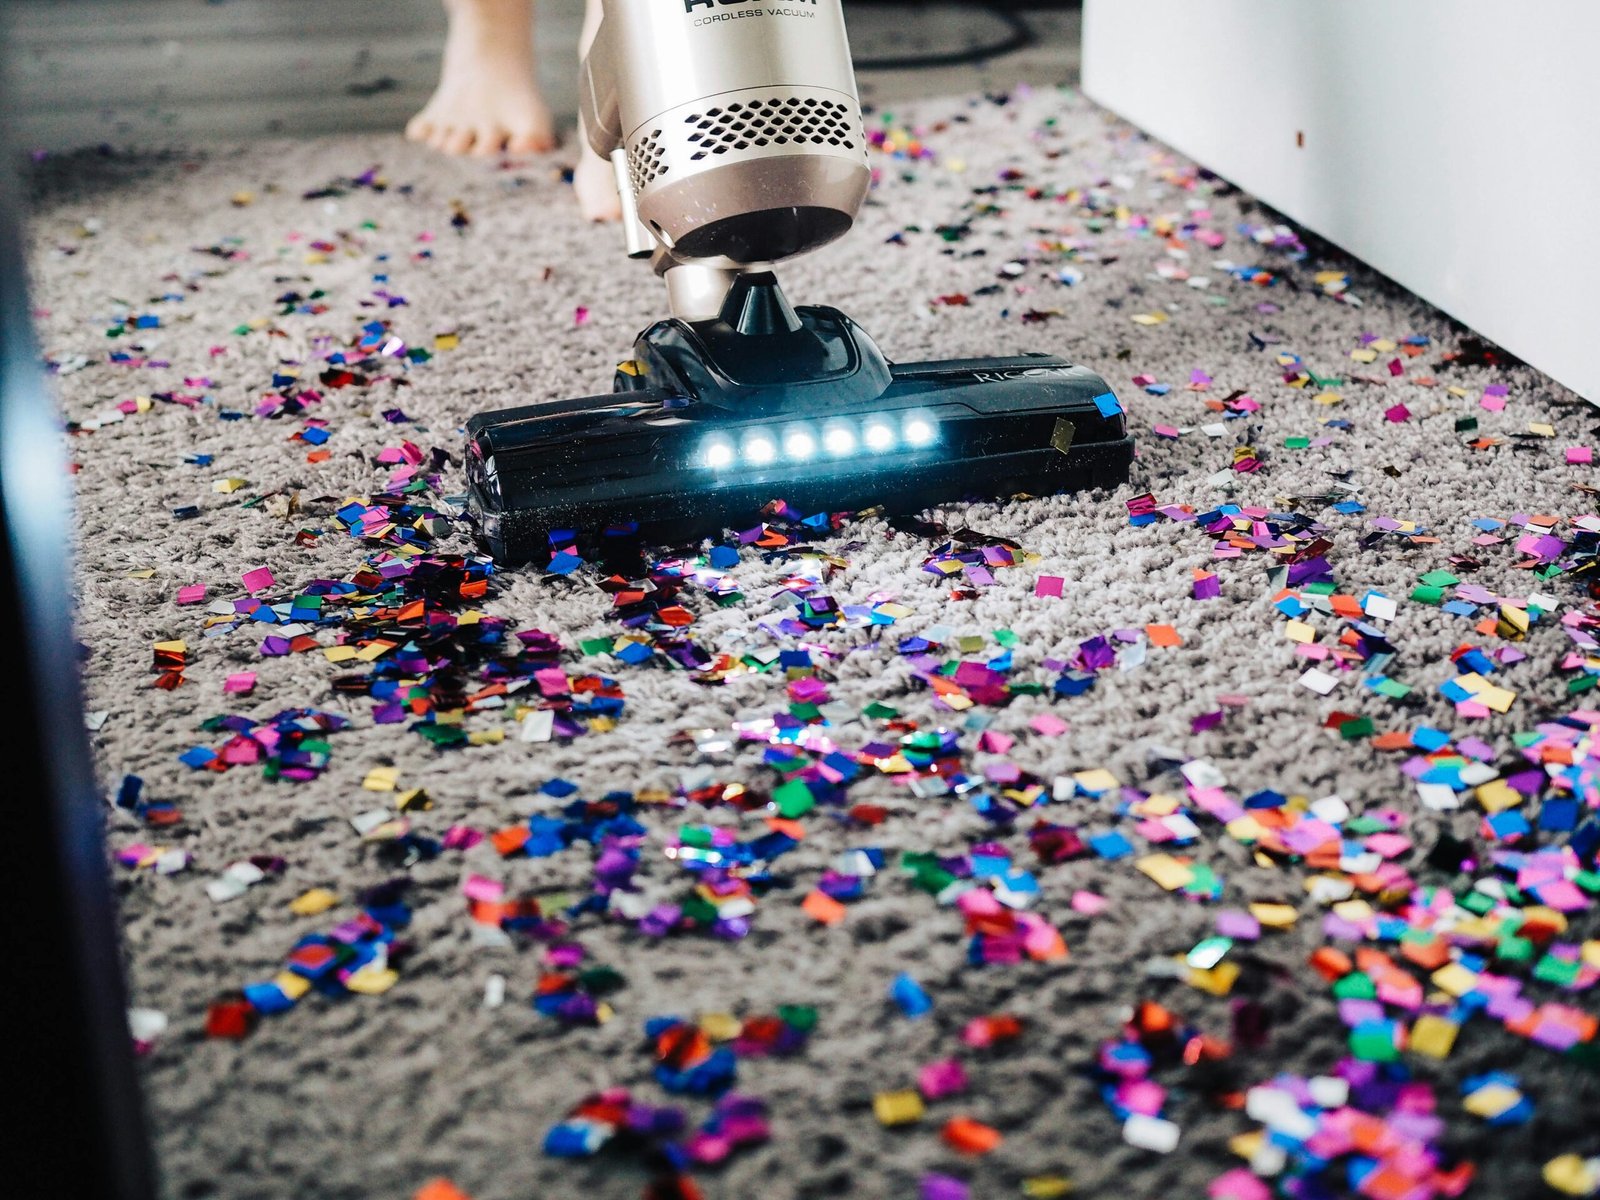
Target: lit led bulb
878, 437
759, 449
799, 443
717, 454
839, 440
919, 431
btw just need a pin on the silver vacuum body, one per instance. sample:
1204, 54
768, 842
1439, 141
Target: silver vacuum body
734, 124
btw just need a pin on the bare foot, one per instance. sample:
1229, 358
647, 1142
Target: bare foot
595, 184
487, 102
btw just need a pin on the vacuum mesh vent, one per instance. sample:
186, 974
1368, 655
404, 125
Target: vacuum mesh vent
644, 160
774, 120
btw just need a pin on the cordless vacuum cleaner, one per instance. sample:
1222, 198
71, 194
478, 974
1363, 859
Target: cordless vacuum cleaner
736, 135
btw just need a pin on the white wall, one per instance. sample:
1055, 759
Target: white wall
1452, 144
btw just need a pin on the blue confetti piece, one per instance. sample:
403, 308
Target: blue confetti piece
909, 997
1111, 845
1106, 402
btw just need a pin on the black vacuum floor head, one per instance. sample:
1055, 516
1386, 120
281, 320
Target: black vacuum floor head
712, 419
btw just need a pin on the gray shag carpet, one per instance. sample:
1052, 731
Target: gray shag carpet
1060, 225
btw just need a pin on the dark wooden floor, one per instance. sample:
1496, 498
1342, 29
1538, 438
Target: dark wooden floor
174, 71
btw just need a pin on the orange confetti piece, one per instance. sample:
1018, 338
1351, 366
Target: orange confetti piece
820, 906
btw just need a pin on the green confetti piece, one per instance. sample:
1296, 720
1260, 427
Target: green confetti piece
1424, 594
1551, 969
1440, 578
597, 645
1357, 985
1373, 1045
601, 981
801, 1016
1514, 949
1296, 443
793, 799
1359, 728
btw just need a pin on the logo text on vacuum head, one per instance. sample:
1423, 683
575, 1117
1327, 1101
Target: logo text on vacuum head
690, 5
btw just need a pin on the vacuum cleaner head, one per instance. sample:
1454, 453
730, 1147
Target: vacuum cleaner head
712, 419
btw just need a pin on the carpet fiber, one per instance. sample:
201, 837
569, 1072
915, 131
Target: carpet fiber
232, 279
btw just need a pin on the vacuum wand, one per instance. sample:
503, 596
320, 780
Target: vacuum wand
736, 135
735, 131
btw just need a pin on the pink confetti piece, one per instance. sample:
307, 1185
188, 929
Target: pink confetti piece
240, 683
258, 579
1048, 725
1089, 904
1048, 585
192, 593
1579, 454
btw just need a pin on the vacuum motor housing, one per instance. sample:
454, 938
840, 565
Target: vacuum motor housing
740, 120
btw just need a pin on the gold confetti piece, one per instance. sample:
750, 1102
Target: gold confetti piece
309, 904
1540, 428
414, 800
1167, 871
487, 737
291, 985
1098, 779
1155, 318
1046, 1187
1454, 979
1355, 911
721, 1027
372, 981
446, 341
897, 1108
335, 654
1300, 631
177, 647
1433, 1036
381, 779
1217, 980
1275, 916
1497, 795
1490, 1100
1247, 1145
1245, 829
1571, 1175
145, 573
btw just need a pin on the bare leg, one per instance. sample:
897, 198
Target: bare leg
592, 179
487, 101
